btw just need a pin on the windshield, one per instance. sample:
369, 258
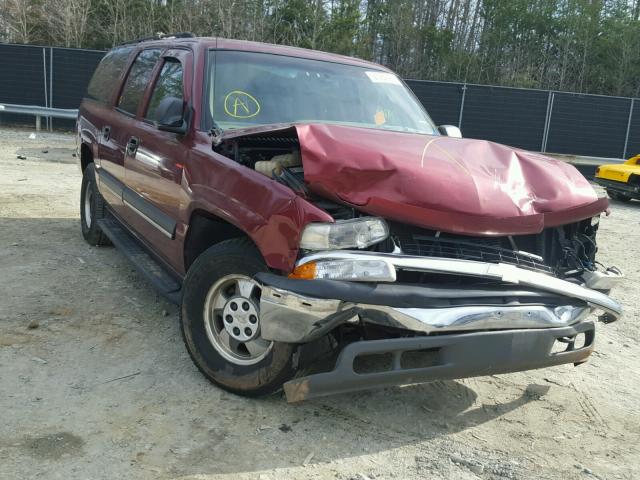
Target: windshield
248, 89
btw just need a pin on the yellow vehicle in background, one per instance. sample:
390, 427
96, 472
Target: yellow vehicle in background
621, 180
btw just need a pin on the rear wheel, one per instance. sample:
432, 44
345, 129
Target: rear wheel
92, 208
220, 320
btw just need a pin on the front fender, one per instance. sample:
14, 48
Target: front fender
271, 214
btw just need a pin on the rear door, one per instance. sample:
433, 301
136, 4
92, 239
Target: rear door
155, 161
95, 123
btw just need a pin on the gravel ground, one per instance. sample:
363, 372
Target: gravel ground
95, 382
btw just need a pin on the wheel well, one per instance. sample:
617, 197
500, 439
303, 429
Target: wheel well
86, 157
205, 230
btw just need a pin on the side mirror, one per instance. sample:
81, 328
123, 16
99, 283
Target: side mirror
450, 131
170, 114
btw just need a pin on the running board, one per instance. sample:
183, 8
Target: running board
165, 283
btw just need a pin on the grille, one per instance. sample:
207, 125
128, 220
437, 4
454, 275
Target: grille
487, 251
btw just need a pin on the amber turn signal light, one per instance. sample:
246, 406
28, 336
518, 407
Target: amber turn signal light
304, 272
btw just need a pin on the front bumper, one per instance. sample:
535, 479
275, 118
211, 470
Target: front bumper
300, 311
510, 322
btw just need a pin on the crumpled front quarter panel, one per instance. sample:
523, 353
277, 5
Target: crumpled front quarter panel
463, 186
270, 213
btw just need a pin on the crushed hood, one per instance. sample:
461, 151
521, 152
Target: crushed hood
465, 186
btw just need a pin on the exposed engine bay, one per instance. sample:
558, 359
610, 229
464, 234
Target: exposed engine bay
276, 156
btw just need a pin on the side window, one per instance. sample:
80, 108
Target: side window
107, 74
167, 98
139, 77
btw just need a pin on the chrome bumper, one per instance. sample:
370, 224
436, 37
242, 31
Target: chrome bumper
299, 315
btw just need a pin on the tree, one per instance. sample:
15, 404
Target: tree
577, 45
19, 19
67, 21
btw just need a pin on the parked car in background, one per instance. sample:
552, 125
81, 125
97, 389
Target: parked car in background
621, 180
301, 206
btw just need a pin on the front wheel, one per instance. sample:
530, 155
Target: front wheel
220, 320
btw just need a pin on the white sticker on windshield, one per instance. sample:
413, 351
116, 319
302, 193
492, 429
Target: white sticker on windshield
383, 77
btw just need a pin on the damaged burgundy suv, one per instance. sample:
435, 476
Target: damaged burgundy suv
303, 210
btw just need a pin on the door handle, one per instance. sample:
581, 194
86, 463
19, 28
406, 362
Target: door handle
106, 132
132, 145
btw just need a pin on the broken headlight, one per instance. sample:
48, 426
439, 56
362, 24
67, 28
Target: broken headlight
356, 233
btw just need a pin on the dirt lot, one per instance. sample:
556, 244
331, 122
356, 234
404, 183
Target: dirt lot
103, 387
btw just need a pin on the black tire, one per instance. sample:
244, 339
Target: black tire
90, 230
231, 257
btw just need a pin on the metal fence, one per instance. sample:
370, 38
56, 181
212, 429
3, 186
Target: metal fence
538, 120
46, 77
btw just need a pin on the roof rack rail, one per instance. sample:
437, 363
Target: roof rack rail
159, 36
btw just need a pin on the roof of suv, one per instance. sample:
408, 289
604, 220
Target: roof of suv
247, 46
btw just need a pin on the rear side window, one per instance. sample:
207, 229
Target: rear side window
107, 74
168, 88
138, 79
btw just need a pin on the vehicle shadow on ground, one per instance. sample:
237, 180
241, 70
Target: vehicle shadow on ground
352, 425
425, 411
172, 417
